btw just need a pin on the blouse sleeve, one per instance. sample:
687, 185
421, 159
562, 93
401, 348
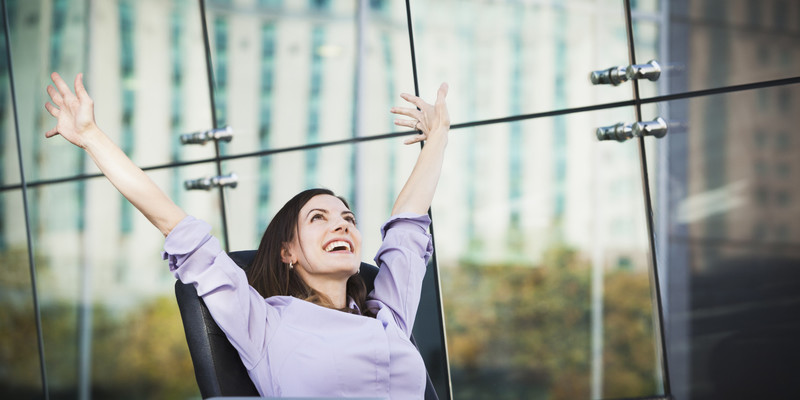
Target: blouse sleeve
402, 258
195, 257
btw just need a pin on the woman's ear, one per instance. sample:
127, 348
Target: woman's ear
286, 254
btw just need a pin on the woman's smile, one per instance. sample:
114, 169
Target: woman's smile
339, 246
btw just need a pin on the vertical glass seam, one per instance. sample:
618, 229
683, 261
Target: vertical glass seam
434, 262
661, 335
218, 162
31, 261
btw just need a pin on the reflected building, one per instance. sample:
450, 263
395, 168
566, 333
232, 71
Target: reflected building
741, 191
732, 189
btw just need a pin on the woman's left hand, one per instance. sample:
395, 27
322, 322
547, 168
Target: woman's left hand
431, 120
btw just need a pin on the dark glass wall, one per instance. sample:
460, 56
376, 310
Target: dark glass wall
726, 194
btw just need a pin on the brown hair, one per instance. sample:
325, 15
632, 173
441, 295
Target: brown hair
270, 276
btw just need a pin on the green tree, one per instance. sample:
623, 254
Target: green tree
523, 331
19, 352
150, 356
629, 356
138, 355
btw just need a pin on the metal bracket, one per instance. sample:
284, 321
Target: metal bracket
656, 128
221, 134
612, 76
617, 75
621, 132
230, 180
650, 71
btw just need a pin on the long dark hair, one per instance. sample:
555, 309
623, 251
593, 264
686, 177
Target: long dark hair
270, 276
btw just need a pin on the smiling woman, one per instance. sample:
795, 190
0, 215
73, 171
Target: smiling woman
310, 248
285, 318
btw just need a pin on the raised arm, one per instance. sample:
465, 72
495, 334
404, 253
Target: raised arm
434, 122
75, 123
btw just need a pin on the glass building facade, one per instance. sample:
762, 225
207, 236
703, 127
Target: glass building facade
565, 267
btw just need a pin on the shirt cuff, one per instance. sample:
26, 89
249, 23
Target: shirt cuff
184, 239
407, 221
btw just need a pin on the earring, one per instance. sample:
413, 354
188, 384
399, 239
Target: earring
290, 265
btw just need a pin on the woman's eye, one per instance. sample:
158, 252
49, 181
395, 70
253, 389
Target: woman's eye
316, 217
351, 220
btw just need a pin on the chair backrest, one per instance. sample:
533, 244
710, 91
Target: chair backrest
217, 367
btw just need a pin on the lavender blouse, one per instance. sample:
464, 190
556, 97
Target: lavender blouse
291, 347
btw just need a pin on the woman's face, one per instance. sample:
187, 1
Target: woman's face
327, 242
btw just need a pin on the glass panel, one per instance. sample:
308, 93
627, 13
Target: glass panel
639, 6
543, 253
729, 231
716, 43
9, 159
286, 72
369, 175
266, 183
144, 65
507, 58
387, 70
111, 324
20, 376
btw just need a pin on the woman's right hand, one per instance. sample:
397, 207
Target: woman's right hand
74, 112
75, 122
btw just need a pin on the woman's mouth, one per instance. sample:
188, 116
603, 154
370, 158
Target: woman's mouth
338, 245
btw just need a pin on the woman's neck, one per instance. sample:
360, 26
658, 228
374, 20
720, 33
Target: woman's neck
334, 290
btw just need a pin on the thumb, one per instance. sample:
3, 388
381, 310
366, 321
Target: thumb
51, 133
442, 93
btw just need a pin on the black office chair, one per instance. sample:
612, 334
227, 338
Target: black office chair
217, 367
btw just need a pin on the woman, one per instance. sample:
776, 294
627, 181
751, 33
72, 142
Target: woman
287, 322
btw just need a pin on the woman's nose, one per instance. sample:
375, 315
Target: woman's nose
341, 225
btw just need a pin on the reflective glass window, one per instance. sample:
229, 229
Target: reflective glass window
544, 260
306, 59
110, 320
506, 58
727, 226
712, 43
20, 375
137, 56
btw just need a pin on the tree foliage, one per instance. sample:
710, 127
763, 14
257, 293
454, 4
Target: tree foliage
523, 331
136, 354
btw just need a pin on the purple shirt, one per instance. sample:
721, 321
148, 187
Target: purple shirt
292, 347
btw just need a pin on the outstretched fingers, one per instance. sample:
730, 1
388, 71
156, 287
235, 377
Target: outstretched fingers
413, 100
55, 96
62, 87
415, 115
408, 112
426, 117
53, 110
80, 90
74, 111
409, 123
